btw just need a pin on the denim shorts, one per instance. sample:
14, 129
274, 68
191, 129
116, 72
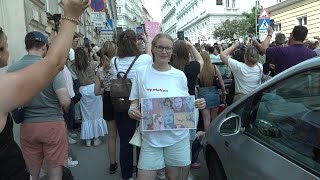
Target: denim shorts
211, 95
155, 158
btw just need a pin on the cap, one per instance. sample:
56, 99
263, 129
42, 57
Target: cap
36, 36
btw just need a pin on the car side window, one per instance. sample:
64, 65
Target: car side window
286, 118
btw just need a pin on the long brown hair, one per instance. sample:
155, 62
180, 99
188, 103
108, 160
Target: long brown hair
180, 56
208, 71
109, 49
81, 62
127, 44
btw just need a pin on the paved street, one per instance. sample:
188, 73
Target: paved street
93, 162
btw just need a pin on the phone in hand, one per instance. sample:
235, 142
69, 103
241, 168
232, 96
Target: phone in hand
139, 31
86, 42
180, 35
272, 23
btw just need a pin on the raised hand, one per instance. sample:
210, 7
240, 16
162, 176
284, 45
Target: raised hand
74, 8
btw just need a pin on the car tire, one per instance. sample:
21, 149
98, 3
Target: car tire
216, 171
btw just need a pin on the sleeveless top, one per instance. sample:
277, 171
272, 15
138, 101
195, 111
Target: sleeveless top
12, 163
105, 78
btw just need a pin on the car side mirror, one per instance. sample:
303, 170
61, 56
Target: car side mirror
230, 126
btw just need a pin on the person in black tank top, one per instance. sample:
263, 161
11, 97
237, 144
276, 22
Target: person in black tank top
12, 163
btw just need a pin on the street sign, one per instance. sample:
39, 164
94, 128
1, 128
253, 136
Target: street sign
98, 24
263, 34
264, 24
97, 17
264, 14
98, 5
203, 38
107, 25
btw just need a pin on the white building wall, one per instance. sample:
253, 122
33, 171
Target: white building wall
129, 13
197, 18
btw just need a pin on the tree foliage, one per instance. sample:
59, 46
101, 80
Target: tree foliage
231, 29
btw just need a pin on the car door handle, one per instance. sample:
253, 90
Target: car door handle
226, 143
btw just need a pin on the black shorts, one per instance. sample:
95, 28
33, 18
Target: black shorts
108, 112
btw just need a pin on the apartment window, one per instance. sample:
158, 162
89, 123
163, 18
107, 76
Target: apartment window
230, 3
119, 9
218, 2
303, 21
277, 27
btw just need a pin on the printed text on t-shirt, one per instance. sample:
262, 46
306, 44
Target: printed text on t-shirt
158, 90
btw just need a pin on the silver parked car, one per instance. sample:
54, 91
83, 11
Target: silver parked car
271, 133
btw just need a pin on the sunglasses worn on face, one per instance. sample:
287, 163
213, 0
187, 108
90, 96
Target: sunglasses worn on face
161, 48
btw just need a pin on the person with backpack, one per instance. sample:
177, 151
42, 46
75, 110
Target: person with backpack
127, 60
168, 149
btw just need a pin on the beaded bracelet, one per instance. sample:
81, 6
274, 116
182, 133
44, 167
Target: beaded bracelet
70, 19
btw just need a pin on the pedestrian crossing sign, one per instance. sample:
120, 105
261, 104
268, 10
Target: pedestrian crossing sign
264, 14
108, 25
264, 24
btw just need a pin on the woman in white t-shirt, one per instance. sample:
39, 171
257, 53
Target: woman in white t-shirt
247, 75
168, 149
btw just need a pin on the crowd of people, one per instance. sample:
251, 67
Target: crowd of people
58, 83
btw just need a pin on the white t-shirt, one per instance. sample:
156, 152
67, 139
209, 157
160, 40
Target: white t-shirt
246, 78
70, 62
158, 84
124, 63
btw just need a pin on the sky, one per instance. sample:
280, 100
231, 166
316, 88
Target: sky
154, 9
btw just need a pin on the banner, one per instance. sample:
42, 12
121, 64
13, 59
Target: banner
168, 113
152, 28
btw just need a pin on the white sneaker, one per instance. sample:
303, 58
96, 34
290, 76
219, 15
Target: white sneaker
72, 163
88, 143
161, 175
71, 141
96, 141
73, 135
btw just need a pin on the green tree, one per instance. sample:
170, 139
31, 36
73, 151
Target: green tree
251, 19
231, 29
235, 28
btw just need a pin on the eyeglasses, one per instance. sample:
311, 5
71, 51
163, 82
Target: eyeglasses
161, 48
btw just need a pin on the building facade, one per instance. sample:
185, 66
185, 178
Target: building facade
129, 13
197, 18
17, 17
290, 13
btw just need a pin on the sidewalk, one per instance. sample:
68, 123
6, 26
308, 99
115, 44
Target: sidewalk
94, 162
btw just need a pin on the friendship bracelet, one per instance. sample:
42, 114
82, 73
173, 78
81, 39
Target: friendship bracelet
70, 19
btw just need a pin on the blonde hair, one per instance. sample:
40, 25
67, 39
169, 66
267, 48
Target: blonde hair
208, 71
109, 49
251, 55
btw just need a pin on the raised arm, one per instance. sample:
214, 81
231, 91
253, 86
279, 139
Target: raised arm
196, 55
265, 44
147, 42
224, 55
19, 87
